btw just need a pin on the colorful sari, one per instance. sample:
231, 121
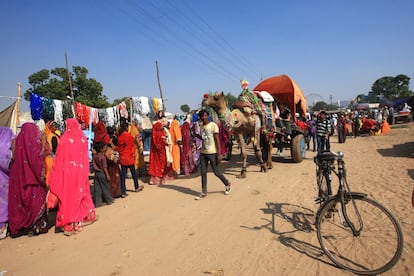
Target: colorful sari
112, 159
69, 180
49, 135
27, 190
6, 137
187, 159
139, 152
176, 140
158, 158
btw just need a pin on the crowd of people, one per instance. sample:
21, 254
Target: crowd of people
321, 126
47, 167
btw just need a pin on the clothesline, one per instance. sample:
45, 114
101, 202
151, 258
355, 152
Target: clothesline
59, 110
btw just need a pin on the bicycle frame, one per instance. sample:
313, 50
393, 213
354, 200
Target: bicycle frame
328, 167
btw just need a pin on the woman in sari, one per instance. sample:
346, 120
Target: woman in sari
158, 167
139, 152
69, 180
187, 158
176, 143
112, 157
27, 189
6, 137
50, 141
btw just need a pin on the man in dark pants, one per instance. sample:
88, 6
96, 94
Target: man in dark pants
210, 153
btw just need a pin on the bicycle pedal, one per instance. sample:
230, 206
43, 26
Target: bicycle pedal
319, 200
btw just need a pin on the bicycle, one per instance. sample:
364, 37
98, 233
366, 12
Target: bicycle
357, 233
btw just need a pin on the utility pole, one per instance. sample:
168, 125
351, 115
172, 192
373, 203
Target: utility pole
19, 95
70, 85
159, 86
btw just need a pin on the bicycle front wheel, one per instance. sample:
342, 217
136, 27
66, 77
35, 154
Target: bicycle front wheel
375, 249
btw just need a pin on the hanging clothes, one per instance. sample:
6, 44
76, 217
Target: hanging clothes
48, 109
67, 109
123, 112
58, 112
145, 105
103, 115
82, 113
36, 106
94, 116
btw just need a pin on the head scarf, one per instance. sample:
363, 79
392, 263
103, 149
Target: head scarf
100, 132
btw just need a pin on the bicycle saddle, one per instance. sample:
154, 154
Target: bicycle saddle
329, 156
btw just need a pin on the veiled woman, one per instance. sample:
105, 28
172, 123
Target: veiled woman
112, 157
139, 153
6, 138
27, 189
69, 180
51, 135
187, 159
158, 168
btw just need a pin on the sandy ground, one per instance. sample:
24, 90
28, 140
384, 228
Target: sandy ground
264, 227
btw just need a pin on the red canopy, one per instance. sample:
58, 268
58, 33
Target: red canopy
285, 90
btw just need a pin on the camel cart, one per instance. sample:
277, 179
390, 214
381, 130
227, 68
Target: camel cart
285, 90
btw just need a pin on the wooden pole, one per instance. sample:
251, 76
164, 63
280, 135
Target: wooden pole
70, 84
130, 110
19, 93
159, 86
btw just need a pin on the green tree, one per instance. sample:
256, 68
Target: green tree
320, 106
230, 100
55, 84
390, 88
185, 108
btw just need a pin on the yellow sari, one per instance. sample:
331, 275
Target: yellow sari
139, 153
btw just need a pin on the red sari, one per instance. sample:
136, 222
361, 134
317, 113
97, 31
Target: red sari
69, 180
158, 158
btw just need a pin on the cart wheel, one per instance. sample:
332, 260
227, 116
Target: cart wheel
298, 148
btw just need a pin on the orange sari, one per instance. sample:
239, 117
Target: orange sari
139, 153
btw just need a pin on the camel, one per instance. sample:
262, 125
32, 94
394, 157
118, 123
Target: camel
242, 125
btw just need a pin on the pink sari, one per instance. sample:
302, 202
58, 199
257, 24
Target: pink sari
69, 179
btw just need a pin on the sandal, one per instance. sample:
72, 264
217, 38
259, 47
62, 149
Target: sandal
89, 221
139, 189
68, 229
3, 232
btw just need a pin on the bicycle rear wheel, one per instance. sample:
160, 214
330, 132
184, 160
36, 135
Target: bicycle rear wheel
376, 249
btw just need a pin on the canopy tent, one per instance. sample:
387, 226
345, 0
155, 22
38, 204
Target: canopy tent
9, 116
285, 90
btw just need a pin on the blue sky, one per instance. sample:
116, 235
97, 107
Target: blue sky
334, 50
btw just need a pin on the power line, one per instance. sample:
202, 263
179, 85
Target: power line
146, 19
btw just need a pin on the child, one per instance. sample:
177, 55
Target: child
101, 177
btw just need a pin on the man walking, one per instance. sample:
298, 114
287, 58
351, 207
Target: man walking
210, 153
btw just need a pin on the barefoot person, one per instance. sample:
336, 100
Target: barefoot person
210, 153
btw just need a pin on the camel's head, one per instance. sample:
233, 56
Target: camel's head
216, 101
